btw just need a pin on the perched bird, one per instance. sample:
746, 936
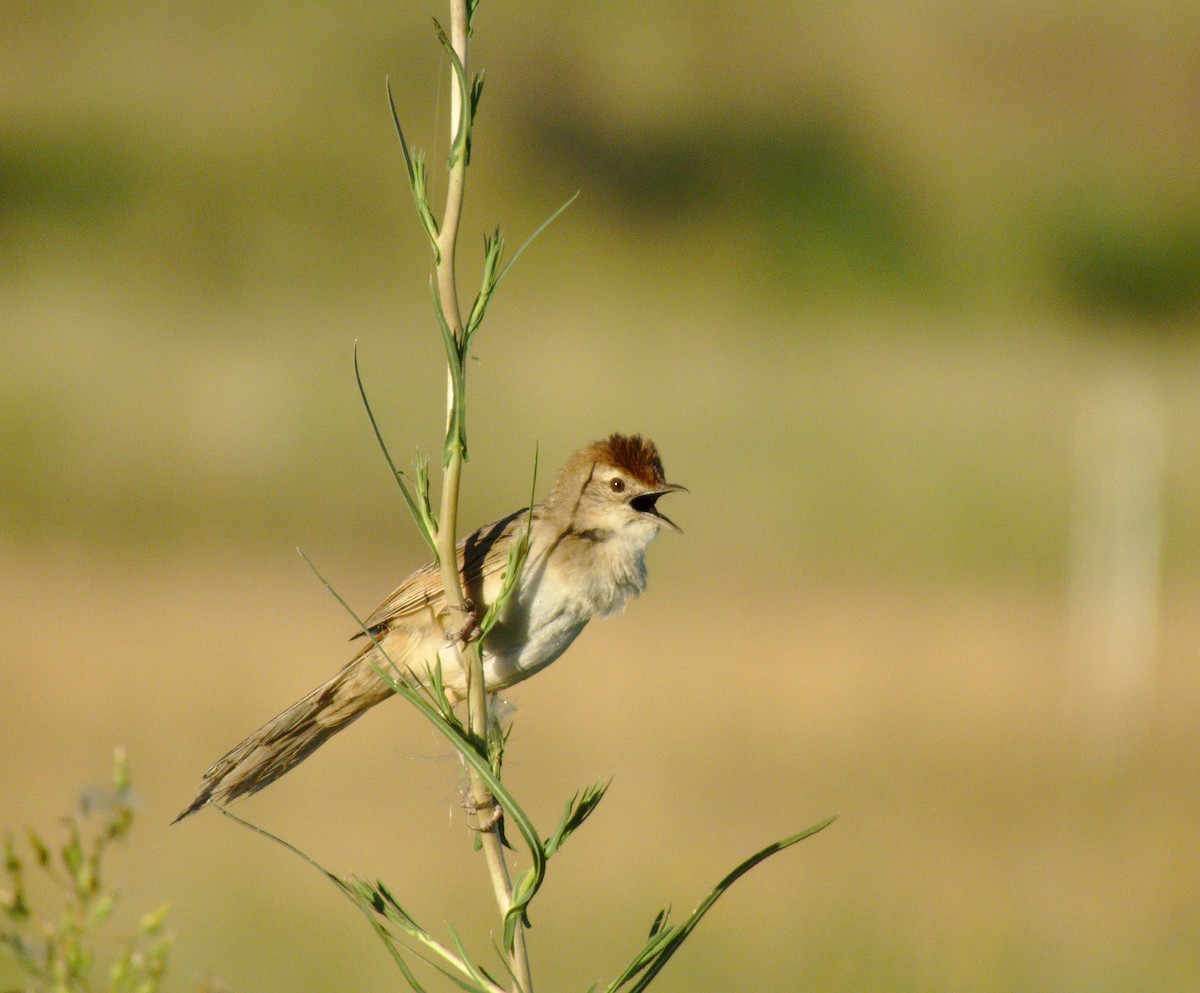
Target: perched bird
586, 558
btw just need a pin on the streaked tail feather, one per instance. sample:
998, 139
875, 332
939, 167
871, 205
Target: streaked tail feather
284, 742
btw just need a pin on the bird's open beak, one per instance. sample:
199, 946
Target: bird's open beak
647, 503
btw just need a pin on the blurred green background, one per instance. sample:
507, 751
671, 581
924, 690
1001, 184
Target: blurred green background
906, 293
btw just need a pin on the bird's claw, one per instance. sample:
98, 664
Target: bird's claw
469, 630
487, 814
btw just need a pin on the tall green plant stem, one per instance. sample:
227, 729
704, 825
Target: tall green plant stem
447, 538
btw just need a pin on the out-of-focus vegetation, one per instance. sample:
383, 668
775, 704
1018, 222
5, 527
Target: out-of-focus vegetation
59, 946
897, 226
867, 273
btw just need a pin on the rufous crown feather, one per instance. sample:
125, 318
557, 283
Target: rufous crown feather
633, 455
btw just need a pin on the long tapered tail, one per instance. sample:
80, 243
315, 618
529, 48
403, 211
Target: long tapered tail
282, 743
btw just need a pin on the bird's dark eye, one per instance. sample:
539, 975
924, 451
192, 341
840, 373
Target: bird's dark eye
617, 484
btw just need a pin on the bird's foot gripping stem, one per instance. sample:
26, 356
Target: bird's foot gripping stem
486, 815
468, 630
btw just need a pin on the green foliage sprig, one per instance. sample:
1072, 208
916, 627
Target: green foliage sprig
478, 739
58, 945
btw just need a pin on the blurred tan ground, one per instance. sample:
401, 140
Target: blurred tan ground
874, 397
974, 840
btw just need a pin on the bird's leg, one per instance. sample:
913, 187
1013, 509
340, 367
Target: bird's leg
487, 815
468, 631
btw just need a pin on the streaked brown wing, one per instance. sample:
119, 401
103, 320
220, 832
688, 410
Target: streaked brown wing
478, 559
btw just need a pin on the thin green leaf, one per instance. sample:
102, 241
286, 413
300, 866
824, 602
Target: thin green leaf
392, 908
41, 851
14, 903
517, 554
100, 909
660, 921
332, 877
473, 103
459, 145
497, 740
155, 921
666, 941
120, 776
421, 467
360, 894
660, 933
435, 691
418, 509
417, 179
393, 948
578, 809
476, 93
476, 971
541, 227
12, 861
380, 900
493, 251
408, 162
456, 429
512, 976
72, 854
522, 892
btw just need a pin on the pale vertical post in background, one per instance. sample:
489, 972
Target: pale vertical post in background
1115, 563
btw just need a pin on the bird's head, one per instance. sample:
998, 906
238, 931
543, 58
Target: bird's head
612, 487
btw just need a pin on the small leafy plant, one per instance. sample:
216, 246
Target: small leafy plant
60, 945
478, 736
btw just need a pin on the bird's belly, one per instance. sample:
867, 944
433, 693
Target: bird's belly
511, 655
